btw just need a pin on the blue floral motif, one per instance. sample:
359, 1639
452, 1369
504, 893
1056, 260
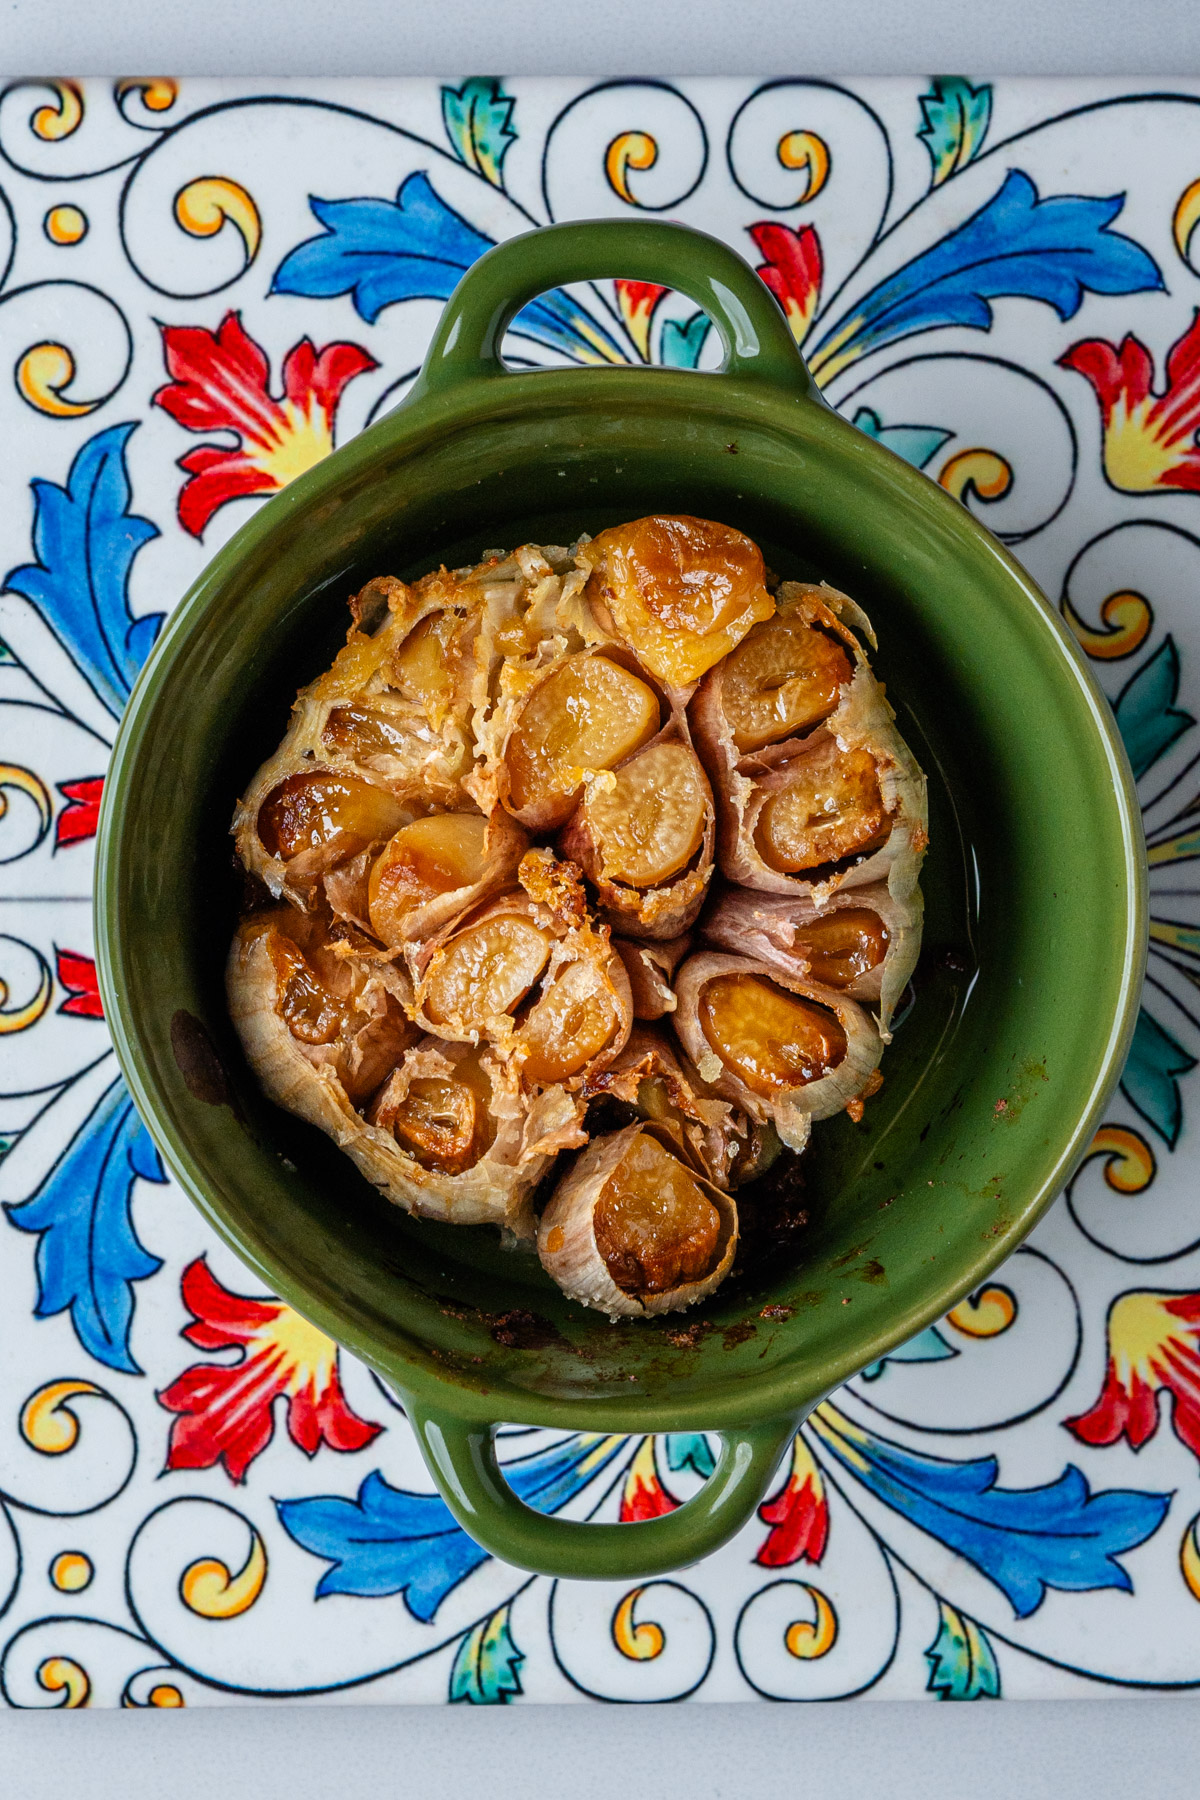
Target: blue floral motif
89, 1255
390, 1541
1017, 245
415, 247
1025, 1540
85, 539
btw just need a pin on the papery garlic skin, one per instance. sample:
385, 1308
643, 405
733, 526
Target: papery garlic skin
497, 1189
792, 1110
567, 1243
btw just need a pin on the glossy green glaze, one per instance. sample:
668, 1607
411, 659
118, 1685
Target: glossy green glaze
1035, 931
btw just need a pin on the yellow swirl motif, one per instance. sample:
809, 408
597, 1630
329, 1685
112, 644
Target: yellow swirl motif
33, 787
65, 225
1189, 1558
52, 123
982, 472
208, 1589
42, 374
630, 150
22, 1017
59, 1675
207, 204
807, 153
71, 1571
1185, 220
985, 1314
1129, 1165
1125, 621
807, 1639
158, 92
639, 1642
47, 1423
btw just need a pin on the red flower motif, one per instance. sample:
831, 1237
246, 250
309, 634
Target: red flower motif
226, 1408
1153, 1343
644, 1496
799, 1515
78, 975
637, 300
79, 817
792, 270
1149, 439
219, 383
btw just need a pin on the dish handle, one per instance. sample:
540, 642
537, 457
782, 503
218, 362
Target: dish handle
757, 338
461, 1457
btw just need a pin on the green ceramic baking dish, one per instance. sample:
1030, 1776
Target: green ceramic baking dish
1035, 934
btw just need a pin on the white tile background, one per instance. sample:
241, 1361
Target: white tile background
1140, 1750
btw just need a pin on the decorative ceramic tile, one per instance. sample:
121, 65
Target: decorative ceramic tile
205, 287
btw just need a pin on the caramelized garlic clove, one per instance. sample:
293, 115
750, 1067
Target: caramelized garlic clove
578, 1023
784, 1050
589, 713
680, 591
482, 973
325, 817
433, 870
781, 680
822, 806
645, 835
633, 1230
864, 942
839, 804
442, 1121
495, 1178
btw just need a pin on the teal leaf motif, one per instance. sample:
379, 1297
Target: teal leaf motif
478, 121
689, 1450
1148, 718
1149, 1080
917, 444
682, 342
928, 1346
956, 118
487, 1664
962, 1663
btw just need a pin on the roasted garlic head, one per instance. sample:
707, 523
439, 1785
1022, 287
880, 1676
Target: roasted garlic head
626, 826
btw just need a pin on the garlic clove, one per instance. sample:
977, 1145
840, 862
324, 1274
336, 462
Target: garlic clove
633, 1230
